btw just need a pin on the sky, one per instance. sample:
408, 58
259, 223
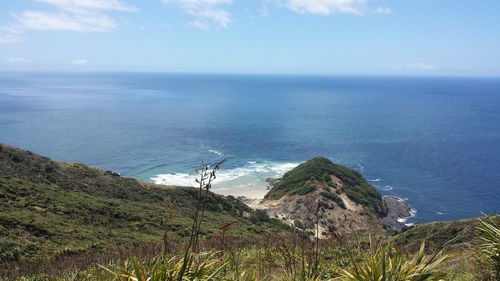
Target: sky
326, 37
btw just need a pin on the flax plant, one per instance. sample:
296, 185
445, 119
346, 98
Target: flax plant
384, 264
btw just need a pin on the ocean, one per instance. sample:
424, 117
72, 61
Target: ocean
434, 141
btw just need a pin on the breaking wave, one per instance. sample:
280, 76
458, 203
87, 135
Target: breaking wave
253, 173
387, 188
404, 220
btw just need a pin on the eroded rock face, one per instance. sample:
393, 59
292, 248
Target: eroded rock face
326, 211
271, 181
397, 212
331, 200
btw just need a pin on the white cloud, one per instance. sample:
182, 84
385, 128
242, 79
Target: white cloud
207, 13
10, 34
422, 66
60, 21
327, 7
79, 61
383, 10
69, 15
77, 6
18, 60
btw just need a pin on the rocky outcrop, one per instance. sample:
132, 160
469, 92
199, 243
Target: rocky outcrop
331, 200
398, 211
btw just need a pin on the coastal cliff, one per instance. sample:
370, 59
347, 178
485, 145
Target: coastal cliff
333, 200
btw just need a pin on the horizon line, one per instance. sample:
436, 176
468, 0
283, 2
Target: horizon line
427, 75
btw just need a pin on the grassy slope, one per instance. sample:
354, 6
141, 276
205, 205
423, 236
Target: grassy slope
297, 182
49, 209
437, 234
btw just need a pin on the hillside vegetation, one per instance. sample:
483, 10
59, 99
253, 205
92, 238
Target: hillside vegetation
50, 209
65, 221
437, 233
301, 181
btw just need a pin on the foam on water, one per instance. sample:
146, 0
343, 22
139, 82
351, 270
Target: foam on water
387, 188
180, 179
252, 174
413, 213
360, 168
216, 152
384, 188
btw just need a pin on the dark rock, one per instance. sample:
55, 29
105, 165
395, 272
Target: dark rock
271, 181
397, 212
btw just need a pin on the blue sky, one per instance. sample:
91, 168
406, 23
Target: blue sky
409, 37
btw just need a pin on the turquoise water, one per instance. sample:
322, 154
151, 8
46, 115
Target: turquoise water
434, 141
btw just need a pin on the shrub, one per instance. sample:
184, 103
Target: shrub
259, 216
333, 197
16, 157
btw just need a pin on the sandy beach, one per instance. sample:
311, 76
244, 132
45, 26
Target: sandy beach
255, 193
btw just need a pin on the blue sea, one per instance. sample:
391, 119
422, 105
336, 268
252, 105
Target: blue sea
434, 141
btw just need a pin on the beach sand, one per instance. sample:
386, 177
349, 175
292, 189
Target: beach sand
248, 192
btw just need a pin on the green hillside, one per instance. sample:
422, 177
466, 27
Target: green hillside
461, 232
301, 181
50, 209
62, 221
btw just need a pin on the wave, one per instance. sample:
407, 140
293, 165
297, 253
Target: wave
251, 174
384, 188
150, 169
180, 179
387, 188
413, 213
360, 167
212, 150
216, 152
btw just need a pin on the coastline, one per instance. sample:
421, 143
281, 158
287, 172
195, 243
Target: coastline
254, 193
399, 212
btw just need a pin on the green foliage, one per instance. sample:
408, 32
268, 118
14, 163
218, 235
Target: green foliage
333, 197
205, 268
62, 214
438, 233
65, 209
298, 182
489, 246
259, 216
383, 263
282, 258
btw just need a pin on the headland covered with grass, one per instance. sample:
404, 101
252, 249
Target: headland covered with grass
319, 221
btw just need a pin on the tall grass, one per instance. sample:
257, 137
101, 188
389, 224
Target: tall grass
488, 244
383, 263
205, 268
